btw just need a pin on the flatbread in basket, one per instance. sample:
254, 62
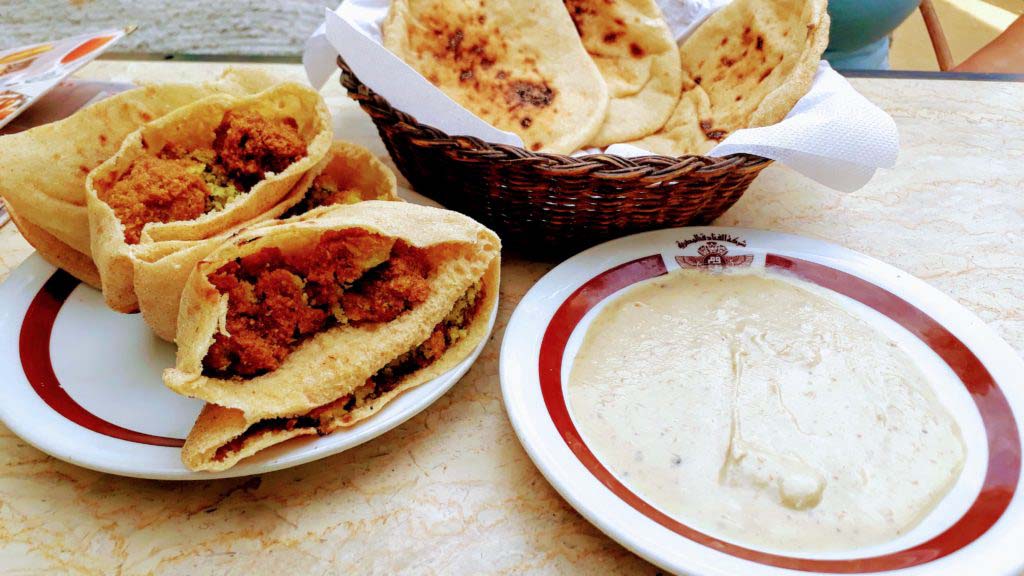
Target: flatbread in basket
280, 349
638, 59
746, 66
199, 171
518, 65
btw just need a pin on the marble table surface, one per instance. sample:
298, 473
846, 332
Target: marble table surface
451, 491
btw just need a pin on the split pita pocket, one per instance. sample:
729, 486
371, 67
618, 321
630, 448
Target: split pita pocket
43, 173
199, 171
639, 60
348, 174
281, 349
518, 65
744, 67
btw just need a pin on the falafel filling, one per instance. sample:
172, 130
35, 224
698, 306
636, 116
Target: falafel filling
276, 301
180, 184
445, 334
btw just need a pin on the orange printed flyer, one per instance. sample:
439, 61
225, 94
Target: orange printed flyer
28, 72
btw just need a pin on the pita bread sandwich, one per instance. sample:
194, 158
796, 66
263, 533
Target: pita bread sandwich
301, 327
518, 65
199, 171
637, 55
746, 66
348, 174
42, 177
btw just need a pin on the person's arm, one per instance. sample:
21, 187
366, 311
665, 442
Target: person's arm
1005, 54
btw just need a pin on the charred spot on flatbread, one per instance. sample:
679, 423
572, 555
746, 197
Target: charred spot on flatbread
579, 10
474, 52
710, 132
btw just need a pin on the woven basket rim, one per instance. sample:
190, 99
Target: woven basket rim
653, 169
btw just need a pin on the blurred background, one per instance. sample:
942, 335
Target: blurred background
251, 27
863, 28
968, 25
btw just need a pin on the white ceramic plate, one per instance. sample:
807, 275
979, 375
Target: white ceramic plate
978, 527
83, 384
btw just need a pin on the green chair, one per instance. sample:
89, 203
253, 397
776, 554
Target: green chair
861, 30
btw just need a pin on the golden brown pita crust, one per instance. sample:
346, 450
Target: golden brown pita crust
455, 354
192, 127
338, 360
745, 67
217, 426
637, 55
56, 252
44, 169
518, 65
161, 268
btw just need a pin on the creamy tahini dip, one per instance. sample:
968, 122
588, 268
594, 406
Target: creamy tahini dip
753, 407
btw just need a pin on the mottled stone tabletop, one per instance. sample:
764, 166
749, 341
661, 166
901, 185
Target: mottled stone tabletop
451, 491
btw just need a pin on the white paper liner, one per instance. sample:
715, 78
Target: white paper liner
833, 135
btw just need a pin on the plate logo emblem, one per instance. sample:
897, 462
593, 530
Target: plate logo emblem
712, 252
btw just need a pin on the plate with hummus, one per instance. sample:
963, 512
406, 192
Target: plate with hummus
730, 401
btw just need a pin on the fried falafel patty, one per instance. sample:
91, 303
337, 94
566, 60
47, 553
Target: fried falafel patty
155, 190
179, 184
445, 334
276, 300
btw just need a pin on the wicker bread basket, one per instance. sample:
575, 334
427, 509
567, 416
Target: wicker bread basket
550, 204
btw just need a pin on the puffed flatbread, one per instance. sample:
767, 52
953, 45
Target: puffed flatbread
218, 427
339, 360
309, 376
43, 172
745, 67
518, 65
637, 55
192, 127
161, 268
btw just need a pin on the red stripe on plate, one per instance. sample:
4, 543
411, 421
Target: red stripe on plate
1004, 463
34, 347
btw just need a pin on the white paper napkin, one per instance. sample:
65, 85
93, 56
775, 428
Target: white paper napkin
683, 16
833, 134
